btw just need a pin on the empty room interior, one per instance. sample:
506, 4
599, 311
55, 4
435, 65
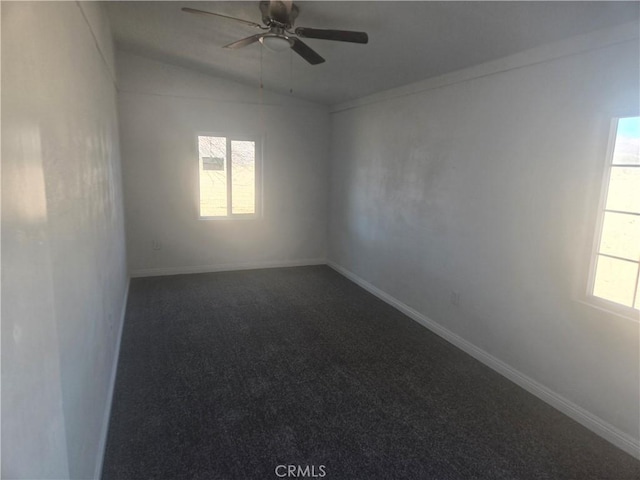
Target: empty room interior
321, 239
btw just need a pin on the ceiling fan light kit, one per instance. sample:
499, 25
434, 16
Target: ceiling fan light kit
276, 43
278, 18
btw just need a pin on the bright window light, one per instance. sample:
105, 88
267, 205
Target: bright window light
228, 176
616, 263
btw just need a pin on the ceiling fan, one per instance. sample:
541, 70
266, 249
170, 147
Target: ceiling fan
278, 17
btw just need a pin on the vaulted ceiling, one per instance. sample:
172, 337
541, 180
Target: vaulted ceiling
408, 41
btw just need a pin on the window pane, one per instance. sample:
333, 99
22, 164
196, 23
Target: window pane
627, 147
621, 236
615, 280
624, 189
243, 177
637, 305
213, 176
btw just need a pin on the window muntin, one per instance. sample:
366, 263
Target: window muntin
228, 176
616, 263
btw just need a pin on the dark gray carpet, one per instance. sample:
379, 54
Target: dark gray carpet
228, 375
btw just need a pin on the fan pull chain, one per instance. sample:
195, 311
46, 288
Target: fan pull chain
291, 71
261, 94
261, 84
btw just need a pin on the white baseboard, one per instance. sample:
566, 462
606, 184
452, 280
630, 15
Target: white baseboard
112, 383
155, 272
577, 413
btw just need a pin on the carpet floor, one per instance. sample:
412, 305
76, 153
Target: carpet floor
229, 375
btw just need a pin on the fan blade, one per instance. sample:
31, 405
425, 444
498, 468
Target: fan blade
306, 52
202, 12
245, 41
337, 35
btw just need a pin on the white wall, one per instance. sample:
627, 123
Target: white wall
162, 108
487, 184
63, 250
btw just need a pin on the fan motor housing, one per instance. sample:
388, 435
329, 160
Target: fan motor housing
277, 13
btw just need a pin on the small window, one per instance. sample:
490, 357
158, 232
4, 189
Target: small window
615, 266
228, 174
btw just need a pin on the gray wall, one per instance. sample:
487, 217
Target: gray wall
488, 187
162, 109
63, 250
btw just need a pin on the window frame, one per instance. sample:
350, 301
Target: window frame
599, 302
230, 137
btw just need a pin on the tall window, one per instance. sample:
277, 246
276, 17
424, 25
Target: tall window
228, 169
616, 270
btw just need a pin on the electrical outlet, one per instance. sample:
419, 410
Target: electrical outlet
455, 298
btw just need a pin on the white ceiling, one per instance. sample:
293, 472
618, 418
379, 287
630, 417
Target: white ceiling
408, 41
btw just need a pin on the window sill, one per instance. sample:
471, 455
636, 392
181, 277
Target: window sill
611, 308
242, 218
